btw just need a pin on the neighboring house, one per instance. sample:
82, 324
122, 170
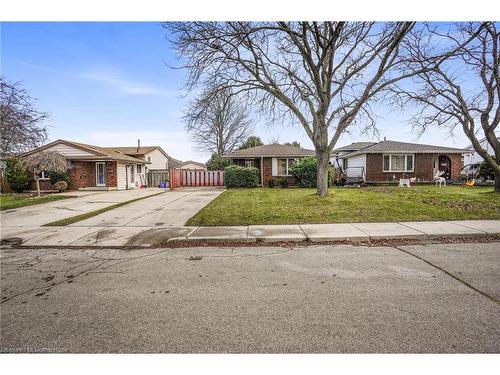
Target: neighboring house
96, 168
273, 161
389, 160
473, 157
190, 164
155, 156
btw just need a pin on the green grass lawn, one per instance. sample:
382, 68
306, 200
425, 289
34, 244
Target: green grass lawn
343, 205
10, 201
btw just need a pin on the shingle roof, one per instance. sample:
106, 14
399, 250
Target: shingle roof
133, 150
103, 153
270, 151
403, 147
354, 146
203, 165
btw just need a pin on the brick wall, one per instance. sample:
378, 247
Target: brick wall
268, 174
424, 167
82, 174
111, 175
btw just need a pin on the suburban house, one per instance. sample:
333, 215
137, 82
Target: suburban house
158, 160
473, 157
273, 161
191, 164
96, 168
390, 160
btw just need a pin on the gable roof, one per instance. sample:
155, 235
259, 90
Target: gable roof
270, 151
193, 162
141, 151
393, 147
102, 153
356, 146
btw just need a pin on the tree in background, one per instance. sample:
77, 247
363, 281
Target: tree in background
20, 122
216, 121
322, 75
462, 90
45, 161
252, 141
217, 163
294, 144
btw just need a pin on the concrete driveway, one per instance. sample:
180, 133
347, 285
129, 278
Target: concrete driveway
274, 299
37, 215
173, 208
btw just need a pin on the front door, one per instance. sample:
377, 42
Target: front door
445, 166
100, 173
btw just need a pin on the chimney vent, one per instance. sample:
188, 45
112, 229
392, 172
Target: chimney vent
385, 139
138, 145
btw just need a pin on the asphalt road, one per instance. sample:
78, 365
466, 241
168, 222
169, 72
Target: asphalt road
266, 300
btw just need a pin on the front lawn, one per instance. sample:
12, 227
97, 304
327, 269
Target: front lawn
344, 205
10, 201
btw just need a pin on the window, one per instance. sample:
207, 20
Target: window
139, 168
398, 163
43, 175
283, 166
149, 159
249, 163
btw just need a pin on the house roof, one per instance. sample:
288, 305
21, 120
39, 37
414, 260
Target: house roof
393, 147
133, 151
102, 153
202, 165
353, 146
270, 151
471, 147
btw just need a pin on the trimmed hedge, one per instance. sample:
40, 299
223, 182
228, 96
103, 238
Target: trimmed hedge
236, 176
305, 170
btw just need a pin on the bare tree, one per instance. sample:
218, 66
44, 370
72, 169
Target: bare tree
464, 89
20, 123
45, 161
321, 75
217, 122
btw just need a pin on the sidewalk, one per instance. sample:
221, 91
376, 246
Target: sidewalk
130, 236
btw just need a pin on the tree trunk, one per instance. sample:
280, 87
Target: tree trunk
323, 157
38, 186
497, 181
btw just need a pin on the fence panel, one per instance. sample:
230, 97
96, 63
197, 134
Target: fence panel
195, 177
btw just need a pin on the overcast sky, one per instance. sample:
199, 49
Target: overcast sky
109, 84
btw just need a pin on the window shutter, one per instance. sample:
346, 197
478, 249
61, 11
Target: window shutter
274, 166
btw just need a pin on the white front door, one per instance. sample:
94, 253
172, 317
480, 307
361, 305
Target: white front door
100, 177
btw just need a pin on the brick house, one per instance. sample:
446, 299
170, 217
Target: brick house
96, 168
388, 161
273, 161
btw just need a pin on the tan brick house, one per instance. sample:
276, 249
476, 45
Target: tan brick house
96, 168
272, 161
387, 161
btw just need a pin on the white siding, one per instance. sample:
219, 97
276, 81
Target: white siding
356, 165
475, 157
158, 160
121, 176
69, 151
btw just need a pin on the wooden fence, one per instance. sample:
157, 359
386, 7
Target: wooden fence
195, 177
156, 177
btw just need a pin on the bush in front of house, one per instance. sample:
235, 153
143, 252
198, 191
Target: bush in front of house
61, 186
58, 176
236, 176
284, 182
305, 171
271, 183
16, 174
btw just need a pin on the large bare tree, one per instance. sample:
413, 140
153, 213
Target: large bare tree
321, 75
21, 126
217, 122
462, 90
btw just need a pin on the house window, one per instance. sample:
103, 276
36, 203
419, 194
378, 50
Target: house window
149, 159
284, 165
398, 163
43, 175
249, 163
139, 168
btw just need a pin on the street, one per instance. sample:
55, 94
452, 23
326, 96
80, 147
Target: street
433, 298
